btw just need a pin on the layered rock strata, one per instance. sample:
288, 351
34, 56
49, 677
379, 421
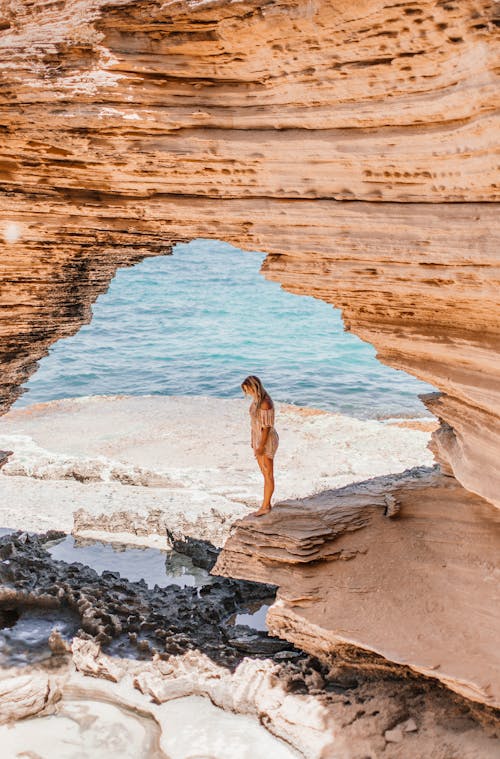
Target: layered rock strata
355, 144
420, 589
324, 713
129, 126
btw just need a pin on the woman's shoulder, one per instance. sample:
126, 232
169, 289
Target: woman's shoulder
267, 403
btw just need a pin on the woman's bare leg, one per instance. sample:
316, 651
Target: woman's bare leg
266, 465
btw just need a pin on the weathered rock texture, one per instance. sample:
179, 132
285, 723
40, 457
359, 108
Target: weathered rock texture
129, 126
321, 717
420, 589
166, 620
354, 142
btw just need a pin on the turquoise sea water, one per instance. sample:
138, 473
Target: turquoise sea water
198, 322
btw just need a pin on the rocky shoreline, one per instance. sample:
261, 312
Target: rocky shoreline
354, 143
138, 620
141, 465
178, 643
326, 698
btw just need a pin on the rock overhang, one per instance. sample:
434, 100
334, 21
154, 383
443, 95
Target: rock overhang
354, 143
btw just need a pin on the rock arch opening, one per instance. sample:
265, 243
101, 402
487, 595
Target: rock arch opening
369, 180
196, 322
164, 356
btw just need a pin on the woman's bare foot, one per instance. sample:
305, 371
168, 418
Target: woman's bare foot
263, 510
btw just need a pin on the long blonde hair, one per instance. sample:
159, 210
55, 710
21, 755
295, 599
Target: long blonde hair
256, 385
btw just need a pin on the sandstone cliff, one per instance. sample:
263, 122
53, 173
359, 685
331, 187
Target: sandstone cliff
363, 591
354, 143
128, 126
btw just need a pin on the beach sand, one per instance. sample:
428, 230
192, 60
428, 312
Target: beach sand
187, 458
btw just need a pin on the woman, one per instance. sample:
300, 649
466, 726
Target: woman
264, 438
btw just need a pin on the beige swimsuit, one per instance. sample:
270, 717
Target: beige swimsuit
260, 418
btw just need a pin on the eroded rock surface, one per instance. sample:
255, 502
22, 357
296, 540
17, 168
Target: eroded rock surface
67, 472
166, 620
420, 589
330, 709
352, 142
322, 714
129, 126
4, 457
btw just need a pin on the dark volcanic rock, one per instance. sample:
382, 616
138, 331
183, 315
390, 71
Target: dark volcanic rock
128, 617
4, 455
202, 553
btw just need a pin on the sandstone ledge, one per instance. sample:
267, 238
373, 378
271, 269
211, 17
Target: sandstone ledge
420, 590
354, 143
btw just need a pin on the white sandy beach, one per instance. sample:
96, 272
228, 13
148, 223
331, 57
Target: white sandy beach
186, 457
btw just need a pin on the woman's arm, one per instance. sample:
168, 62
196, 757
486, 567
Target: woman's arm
264, 432
263, 439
